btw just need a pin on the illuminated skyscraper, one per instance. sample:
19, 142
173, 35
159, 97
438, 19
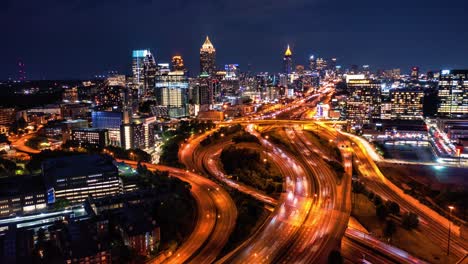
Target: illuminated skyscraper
364, 102
312, 63
144, 70
321, 64
178, 63
453, 93
171, 90
414, 73
287, 61
207, 57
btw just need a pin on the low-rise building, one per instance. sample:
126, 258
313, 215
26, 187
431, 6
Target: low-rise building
75, 178
21, 195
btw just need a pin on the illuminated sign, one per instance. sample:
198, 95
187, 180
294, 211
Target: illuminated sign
359, 81
445, 72
51, 196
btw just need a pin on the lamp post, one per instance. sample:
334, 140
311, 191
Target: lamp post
450, 224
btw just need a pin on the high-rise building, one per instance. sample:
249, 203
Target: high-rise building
171, 90
406, 103
70, 95
453, 93
178, 63
415, 73
287, 61
7, 117
363, 104
132, 136
207, 57
92, 136
110, 121
312, 63
321, 65
205, 91
143, 69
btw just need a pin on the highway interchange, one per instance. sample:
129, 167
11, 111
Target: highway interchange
310, 218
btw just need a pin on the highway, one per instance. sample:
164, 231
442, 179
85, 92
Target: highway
216, 218
315, 232
431, 223
20, 144
280, 228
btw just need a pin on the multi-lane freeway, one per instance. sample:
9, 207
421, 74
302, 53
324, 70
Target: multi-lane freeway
216, 218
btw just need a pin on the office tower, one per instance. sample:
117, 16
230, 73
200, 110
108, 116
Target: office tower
320, 65
109, 93
21, 195
132, 135
232, 70
364, 101
406, 103
110, 121
430, 75
207, 58
312, 63
415, 73
178, 63
116, 80
171, 91
143, 69
453, 93
70, 95
149, 124
366, 70
230, 84
75, 178
204, 92
90, 136
354, 69
7, 117
287, 61
332, 65
21, 71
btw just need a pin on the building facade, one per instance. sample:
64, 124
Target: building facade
406, 103
453, 93
363, 104
93, 136
171, 92
75, 178
207, 57
287, 61
144, 69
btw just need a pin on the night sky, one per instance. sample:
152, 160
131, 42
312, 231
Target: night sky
81, 38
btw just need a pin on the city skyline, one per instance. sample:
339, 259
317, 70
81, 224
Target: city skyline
382, 36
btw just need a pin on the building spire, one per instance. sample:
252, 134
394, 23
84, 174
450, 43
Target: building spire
288, 52
207, 45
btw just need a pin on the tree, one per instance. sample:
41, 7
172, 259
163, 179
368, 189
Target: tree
390, 229
358, 187
377, 200
381, 211
335, 257
61, 203
4, 139
410, 221
393, 208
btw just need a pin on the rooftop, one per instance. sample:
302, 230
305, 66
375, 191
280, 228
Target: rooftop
79, 165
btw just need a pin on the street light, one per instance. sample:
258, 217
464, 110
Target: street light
450, 223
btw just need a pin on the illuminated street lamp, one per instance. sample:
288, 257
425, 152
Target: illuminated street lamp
450, 224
